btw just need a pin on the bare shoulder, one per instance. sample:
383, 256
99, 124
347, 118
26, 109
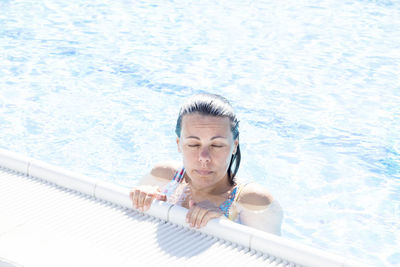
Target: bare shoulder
260, 209
254, 196
161, 173
165, 170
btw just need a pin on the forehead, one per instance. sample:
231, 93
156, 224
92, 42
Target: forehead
205, 122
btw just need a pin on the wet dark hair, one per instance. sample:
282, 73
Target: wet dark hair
218, 106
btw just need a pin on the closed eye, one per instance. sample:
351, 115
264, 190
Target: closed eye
217, 145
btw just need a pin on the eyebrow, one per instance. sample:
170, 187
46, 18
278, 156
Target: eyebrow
212, 138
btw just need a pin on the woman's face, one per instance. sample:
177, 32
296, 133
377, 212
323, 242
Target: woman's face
207, 146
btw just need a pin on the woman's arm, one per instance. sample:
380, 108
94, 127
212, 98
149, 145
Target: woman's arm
160, 174
151, 184
259, 210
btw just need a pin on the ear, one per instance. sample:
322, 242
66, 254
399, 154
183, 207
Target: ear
235, 145
178, 143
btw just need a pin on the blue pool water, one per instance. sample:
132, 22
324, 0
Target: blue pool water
95, 86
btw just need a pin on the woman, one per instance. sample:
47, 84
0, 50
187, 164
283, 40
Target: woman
208, 138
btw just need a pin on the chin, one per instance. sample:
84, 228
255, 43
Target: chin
203, 180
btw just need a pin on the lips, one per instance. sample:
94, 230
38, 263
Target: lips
203, 172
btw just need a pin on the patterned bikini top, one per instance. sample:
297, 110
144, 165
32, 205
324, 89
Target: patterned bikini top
225, 207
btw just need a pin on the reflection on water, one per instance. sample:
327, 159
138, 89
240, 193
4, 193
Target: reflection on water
95, 86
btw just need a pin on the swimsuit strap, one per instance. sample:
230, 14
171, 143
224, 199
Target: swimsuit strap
241, 186
179, 175
225, 206
172, 185
234, 197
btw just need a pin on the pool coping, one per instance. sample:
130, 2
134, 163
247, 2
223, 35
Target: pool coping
222, 228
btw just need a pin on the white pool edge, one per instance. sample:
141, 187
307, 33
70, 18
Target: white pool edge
222, 228
7, 263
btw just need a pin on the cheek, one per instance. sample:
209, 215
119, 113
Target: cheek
228, 159
224, 156
189, 156
189, 152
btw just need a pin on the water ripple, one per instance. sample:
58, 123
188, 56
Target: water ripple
95, 86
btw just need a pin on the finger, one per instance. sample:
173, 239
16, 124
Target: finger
196, 215
190, 212
135, 197
142, 197
131, 195
209, 216
189, 215
192, 218
199, 218
147, 202
161, 197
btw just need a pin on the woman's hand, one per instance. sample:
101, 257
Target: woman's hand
200, 213
142, 196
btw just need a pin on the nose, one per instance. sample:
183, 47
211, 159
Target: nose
204, 156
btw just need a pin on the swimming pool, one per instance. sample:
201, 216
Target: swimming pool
95, 86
